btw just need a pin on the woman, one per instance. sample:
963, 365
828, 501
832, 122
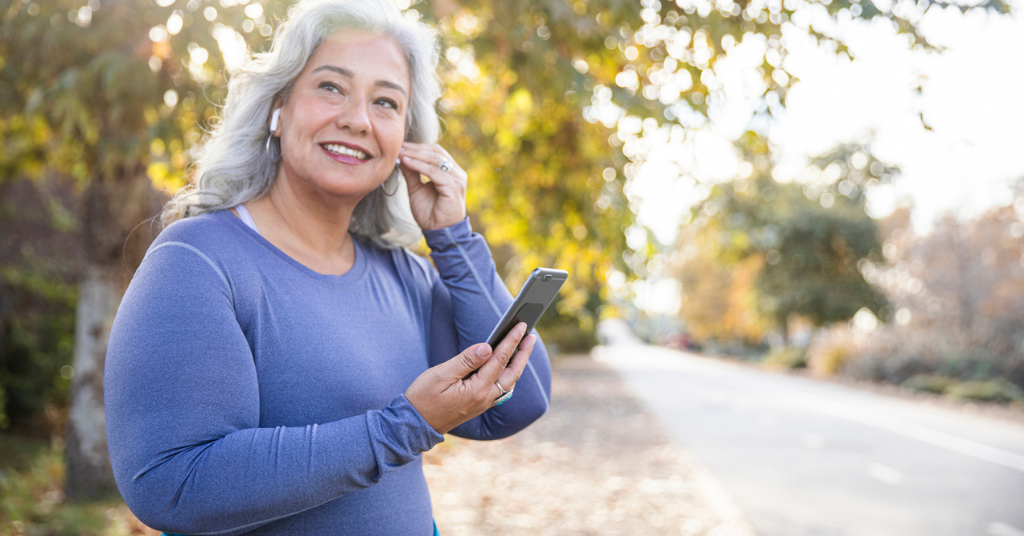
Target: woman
278, 363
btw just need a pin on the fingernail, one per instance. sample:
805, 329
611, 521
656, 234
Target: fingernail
483, 350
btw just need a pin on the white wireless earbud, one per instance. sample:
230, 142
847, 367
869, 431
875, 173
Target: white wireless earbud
274, 118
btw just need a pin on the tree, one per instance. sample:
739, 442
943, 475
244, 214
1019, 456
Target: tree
718, 298
811, 241
545, 188
960, 293
812, 266
91, 94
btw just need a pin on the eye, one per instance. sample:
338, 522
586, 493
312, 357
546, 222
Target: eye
388, 103
329, 86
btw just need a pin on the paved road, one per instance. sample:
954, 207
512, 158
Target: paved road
802, 457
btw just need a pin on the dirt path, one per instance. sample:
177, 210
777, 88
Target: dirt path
597, 464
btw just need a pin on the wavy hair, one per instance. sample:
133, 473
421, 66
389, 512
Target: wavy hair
232, 166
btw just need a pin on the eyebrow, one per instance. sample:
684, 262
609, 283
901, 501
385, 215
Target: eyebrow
349, 74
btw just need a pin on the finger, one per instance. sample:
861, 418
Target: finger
413, 167
432, 163
469, 360
432, 154
489, 372
425, 148
442, 180
510, 376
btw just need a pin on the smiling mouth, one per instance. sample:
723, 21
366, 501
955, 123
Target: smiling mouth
342, 150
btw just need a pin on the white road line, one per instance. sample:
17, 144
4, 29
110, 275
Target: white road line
885, 473
909, 429
998, 528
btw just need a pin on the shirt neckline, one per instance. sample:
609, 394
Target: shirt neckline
352, 276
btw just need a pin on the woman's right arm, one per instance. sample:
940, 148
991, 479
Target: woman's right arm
182, 414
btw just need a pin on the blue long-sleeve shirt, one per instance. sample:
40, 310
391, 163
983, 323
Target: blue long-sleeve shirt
246, 393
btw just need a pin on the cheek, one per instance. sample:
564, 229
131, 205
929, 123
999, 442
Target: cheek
392, 139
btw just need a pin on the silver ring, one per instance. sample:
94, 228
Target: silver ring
445, 165
505, 395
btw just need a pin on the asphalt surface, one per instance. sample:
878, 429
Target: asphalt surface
802, 457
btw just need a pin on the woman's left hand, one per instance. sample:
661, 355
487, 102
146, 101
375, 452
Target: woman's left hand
441, 202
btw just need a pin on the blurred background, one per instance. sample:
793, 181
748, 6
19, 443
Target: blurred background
832, 186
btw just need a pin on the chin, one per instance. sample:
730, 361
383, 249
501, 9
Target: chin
347, 188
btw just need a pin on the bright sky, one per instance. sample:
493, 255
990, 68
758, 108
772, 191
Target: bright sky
972, 98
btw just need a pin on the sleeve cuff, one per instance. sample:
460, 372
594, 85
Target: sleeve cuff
446, 237
399, 434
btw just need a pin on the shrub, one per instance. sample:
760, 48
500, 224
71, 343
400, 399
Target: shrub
997, 390
894, 356
39, 270
929, 383
786, 358
832, 349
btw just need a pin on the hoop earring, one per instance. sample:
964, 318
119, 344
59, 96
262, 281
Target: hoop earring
272, 160
393, 192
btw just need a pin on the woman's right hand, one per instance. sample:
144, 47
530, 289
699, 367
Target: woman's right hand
466, 385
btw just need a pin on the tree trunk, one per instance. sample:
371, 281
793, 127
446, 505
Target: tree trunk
88, 465
112, 210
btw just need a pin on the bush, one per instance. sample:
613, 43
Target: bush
832, 349
32, 352
894, 356
929, 383
32, 500
786, 358
565, 335
39, 269
998, 390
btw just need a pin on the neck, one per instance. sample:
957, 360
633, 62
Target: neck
310, 226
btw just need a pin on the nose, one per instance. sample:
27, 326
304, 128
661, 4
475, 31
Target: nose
354, 116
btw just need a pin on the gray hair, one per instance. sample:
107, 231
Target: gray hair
232, 166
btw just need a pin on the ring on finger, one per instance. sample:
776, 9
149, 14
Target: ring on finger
505, 395
445, 165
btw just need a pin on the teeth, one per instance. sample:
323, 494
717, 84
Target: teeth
341, 149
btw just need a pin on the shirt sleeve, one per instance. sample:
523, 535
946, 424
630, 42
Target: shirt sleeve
467, 302
182, 414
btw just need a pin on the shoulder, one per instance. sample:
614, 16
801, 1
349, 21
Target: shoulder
208, 230
212, 240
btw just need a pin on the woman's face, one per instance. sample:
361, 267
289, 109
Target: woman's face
344, 122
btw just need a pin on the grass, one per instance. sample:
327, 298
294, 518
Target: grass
32, 502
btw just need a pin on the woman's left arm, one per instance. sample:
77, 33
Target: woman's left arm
469, 297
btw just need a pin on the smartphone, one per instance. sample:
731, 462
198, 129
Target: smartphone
541, 287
